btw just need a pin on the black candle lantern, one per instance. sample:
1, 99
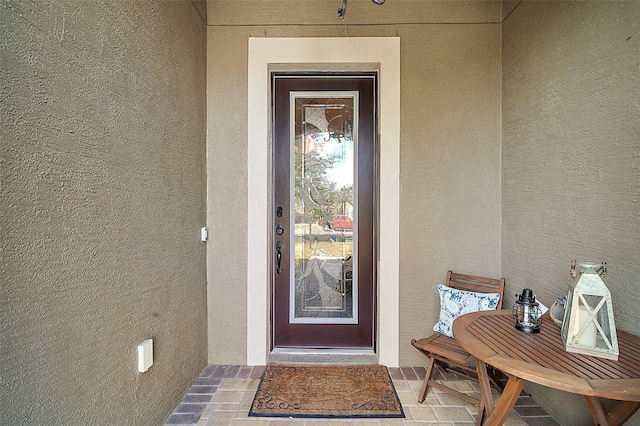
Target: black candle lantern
526, 312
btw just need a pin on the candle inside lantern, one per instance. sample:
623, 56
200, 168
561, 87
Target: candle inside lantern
589, 336
526, 315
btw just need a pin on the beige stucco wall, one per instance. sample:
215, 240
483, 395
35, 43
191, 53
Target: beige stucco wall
102, 161
450, 147
571, 156
449, 167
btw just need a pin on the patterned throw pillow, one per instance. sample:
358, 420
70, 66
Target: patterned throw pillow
454, 303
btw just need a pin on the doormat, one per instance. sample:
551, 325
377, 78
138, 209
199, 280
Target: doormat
326, 391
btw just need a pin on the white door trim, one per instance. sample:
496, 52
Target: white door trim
384, 51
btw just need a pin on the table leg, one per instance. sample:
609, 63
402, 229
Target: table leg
599, 419
485, 386
621, 412
506, 402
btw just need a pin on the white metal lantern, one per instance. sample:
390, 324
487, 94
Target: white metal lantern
588, 326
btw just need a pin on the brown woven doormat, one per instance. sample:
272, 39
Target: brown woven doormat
326, 391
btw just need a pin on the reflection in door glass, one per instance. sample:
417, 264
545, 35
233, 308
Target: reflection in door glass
323, 168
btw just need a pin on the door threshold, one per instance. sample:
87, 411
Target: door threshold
322, 356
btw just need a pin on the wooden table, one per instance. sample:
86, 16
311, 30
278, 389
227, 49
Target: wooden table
491, 337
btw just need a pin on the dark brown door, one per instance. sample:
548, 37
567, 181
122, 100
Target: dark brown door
324, 176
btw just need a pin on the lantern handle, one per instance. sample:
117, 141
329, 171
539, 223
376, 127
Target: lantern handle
602, 270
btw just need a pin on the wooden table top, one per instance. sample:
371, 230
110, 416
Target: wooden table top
540, 358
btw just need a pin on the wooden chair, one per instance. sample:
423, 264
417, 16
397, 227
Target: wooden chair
446, 352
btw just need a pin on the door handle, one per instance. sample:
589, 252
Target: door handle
279, 248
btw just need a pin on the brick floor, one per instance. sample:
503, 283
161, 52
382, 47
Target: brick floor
222, 395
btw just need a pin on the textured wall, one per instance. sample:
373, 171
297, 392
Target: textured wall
450, 147
227, 195
571, 156
450, 167
359, 12
102, 108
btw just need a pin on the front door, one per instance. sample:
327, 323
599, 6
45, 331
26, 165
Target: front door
324, 176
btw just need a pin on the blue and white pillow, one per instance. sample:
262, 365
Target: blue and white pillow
454, 303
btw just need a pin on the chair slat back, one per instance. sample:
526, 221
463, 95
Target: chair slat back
477, 284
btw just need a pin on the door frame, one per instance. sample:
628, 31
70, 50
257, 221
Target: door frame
326, 54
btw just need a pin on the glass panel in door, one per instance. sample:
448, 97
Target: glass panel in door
323, 169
